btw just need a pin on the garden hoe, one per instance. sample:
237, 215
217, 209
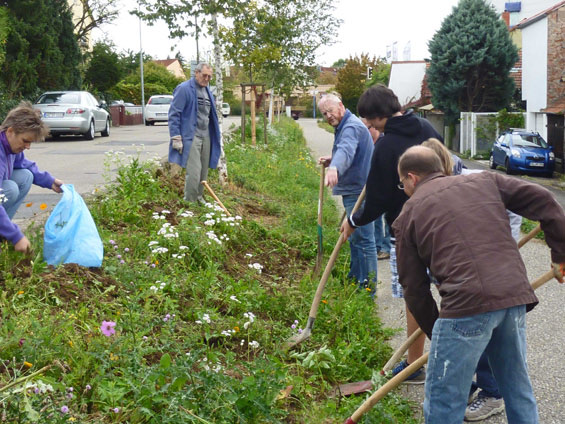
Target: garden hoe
401, 376
320, 256
298, 338
361, 386
205, 183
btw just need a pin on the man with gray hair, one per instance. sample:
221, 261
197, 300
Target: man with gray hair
194, 131
347, 170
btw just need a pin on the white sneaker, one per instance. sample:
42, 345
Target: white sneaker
483, 407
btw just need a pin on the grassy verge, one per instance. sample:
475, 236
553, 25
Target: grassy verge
202, 304
324, 125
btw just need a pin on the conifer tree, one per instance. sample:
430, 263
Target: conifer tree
471, 56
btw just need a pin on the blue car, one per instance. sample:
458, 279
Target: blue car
524, 151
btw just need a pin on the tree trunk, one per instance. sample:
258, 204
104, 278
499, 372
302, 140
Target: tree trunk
222, 165
271, 105
253, 124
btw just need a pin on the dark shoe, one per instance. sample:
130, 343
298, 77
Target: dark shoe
383, 255
417, 377
483, 407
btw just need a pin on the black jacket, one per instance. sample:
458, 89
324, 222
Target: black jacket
382, 193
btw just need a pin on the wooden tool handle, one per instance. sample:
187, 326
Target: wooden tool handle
330, 264
529, 236
215, 197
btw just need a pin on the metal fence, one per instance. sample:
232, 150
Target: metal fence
478, 133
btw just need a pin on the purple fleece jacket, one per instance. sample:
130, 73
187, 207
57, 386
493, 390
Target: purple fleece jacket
8, 162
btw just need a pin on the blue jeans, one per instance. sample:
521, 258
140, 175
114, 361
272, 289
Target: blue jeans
363, 251
485, 380
457, 344
15, 189
382, 234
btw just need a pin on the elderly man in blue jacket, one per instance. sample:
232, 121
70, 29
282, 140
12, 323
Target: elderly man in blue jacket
194, 131
347, 170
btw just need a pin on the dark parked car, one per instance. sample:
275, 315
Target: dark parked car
73, 112
520, 150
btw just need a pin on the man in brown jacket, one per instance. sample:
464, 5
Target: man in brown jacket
458, 228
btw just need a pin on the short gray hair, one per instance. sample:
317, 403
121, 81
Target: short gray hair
201, 66
25, 118
330, 97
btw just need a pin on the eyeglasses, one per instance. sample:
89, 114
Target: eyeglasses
401, 184
206, 76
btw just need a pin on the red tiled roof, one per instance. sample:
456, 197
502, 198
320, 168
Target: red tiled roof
557, 107
165, 62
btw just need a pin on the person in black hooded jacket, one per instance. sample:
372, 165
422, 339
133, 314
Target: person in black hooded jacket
381, 109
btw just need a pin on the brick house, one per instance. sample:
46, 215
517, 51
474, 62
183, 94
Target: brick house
543, 75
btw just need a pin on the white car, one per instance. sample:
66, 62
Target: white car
226, 109
157, 109
73, 112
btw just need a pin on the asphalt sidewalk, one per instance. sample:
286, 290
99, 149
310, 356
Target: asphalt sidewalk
545, 333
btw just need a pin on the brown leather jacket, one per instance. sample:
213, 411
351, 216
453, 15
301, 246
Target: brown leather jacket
458, 228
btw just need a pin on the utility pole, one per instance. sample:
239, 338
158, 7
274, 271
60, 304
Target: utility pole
141, 70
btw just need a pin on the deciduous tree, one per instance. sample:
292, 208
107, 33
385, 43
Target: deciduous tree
104, 69
94, 13
471, 56
352, 78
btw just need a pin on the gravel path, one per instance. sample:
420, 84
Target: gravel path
545, 333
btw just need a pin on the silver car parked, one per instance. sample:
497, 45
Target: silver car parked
73, 112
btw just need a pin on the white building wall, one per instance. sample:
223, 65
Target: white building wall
534, 74
406, 80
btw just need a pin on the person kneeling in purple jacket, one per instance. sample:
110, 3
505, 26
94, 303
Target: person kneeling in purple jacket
22, 126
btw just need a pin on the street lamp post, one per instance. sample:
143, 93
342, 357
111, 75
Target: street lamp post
141, 69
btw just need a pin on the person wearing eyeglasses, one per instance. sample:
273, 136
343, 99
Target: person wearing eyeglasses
482, 279
194, 131
347, 169
382, 110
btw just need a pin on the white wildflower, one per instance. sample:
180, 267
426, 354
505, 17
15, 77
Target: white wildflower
256, 266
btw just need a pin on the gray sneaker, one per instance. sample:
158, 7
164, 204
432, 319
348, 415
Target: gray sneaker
483, 407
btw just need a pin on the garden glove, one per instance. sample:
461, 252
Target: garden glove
559, 271
177, 143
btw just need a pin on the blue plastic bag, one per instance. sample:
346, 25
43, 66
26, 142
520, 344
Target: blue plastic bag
70, 233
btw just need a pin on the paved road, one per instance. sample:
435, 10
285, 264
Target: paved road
81, 162
320, 143
545, 323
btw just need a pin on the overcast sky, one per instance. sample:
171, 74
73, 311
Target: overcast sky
369, 26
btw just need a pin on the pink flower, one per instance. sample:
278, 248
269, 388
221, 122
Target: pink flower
107, 328
116, 410
64, 409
